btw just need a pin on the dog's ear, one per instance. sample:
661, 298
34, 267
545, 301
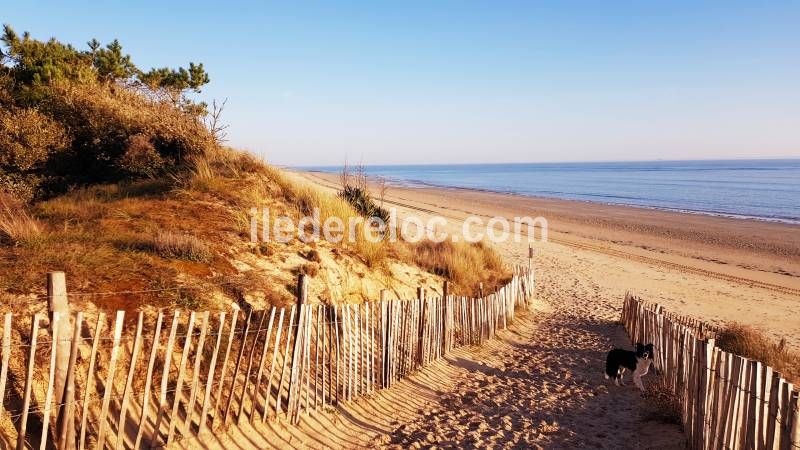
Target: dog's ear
649, 348
639, 347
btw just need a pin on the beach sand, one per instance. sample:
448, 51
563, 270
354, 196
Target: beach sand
540, 384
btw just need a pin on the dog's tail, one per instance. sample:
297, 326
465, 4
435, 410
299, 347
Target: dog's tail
612, 367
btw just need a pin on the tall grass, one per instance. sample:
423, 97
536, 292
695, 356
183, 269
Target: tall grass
751, 343
171, 245
17, 226
465, 264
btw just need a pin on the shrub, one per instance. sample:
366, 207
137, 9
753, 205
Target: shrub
28, 139
360, 199
751, 343
666, 405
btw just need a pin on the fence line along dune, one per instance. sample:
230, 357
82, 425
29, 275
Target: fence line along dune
134, 381
726, 400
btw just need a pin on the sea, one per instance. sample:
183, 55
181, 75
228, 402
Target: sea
764, 189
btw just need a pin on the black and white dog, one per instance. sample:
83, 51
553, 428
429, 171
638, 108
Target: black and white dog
637, 362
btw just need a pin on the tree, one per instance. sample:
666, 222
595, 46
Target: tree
176, 81
110, 62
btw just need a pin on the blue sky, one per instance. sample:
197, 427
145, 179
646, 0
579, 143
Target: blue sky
441, 82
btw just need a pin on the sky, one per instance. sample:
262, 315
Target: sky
313, 83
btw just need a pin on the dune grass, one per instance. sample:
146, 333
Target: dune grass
466, 265
17, 226
752, 343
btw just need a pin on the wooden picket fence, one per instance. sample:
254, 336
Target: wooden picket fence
143, 382
727, 401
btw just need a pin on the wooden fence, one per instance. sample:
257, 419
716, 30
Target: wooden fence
727, 401
89, 380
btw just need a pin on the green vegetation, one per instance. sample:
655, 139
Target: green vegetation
73, 117
117, 177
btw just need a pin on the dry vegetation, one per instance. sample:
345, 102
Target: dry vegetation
666, 404
116, 177
751, 343
466, 265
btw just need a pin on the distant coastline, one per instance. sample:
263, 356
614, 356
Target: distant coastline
763, 190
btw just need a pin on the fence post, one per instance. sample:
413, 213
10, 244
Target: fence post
58, 303
530, 258
445, 318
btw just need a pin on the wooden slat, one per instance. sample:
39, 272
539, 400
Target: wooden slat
149, 380
162, 397
196, 375
289, 335
173, 418
210, 377
126, 391
109, 386
223, 370
319, 371
89, 377
242, 346
261, 361
66, 436
6, 355
26, 398
250, 365
297, 353
48, 397
338, 352
275, 352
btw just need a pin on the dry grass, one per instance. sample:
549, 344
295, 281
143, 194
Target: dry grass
666, 405
751, 343
466, 265
171, 245
17, 226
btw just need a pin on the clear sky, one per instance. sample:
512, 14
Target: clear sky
466, 81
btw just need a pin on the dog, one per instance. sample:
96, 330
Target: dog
637, 361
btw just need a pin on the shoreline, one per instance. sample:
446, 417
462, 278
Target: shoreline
717, 269
398, 183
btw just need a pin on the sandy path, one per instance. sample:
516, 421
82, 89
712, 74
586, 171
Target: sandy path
539, 385
546, 390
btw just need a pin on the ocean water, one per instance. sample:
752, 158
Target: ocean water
755, 189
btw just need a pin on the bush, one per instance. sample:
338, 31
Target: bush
28, 139
71, 117
360, 199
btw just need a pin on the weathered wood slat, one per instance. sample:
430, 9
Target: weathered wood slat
66, 434
246, 381
109, 386
126, 392
148, 381
162, 398
48, 397
90, 376
26, 397
6, 354
187, 424
236, 366
261, 361
275, 352
210, 376
172, 420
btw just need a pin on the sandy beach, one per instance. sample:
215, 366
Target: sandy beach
540, 384
713, 268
